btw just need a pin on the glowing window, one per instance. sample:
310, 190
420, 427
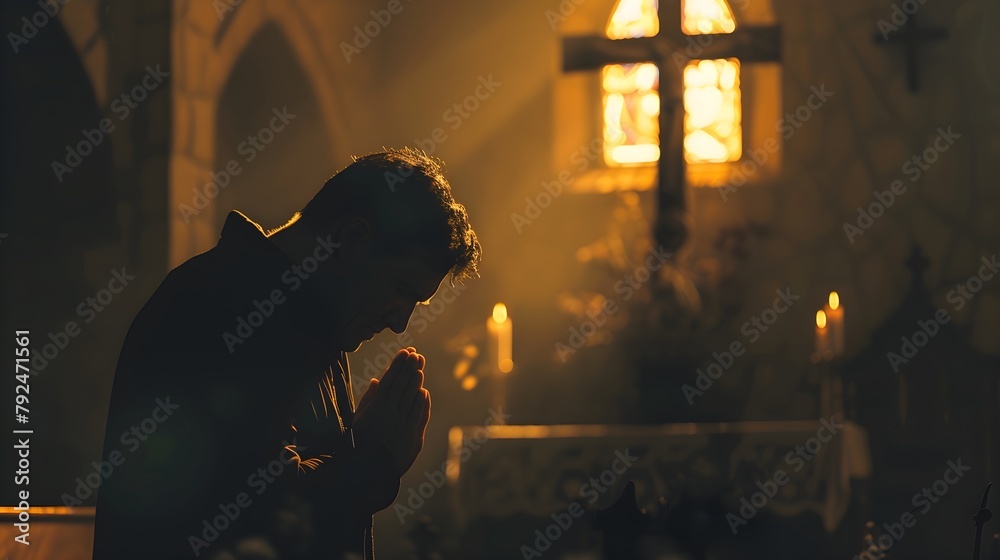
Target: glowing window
631, 107
712, 111
632, 19
701, 17
713, 117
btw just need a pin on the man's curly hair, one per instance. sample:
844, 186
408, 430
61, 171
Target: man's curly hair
406, 197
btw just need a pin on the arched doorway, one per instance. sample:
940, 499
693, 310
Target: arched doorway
268, 122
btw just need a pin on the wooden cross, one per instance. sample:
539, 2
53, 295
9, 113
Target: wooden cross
912, 36
749, 44
917, 264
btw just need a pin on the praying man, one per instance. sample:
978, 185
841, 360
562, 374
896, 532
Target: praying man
232, 430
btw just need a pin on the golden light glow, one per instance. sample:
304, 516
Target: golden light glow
646, 76
651, 103
631, 108
713, 131
633, 18
301, 464
701, 17
631, 104
499, 313
461, 368
500, 329
504, 330
834, 300
821, 319
469, 383
454, 456
642, 153
57, 511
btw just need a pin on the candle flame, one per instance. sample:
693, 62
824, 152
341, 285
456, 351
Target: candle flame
821, 319
499, 313
834, 300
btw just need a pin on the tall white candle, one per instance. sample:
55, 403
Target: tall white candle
500, 328
505, 335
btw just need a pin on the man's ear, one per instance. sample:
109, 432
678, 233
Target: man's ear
354, 238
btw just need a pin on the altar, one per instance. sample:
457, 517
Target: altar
532, 488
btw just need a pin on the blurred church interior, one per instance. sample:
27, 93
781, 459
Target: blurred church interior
737, 253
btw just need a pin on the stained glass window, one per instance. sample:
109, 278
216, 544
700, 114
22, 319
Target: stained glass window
713, 117
631, 107
701, 17
712, 111
631, 101
632, 19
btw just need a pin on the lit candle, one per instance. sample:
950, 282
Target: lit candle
822, 335
500, 328
835, 323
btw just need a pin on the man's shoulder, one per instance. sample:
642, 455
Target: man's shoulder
194, 279
188, 303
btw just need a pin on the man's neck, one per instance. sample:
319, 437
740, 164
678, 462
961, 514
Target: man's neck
300, 243
293, 239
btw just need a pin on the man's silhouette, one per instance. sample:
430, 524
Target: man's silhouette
232, 430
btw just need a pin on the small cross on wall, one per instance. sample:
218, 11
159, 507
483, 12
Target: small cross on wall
911, 37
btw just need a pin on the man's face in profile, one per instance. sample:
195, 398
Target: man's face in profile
381, 291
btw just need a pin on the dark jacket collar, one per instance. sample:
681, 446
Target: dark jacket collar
263, 267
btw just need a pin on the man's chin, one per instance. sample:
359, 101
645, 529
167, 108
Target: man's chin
359, 341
